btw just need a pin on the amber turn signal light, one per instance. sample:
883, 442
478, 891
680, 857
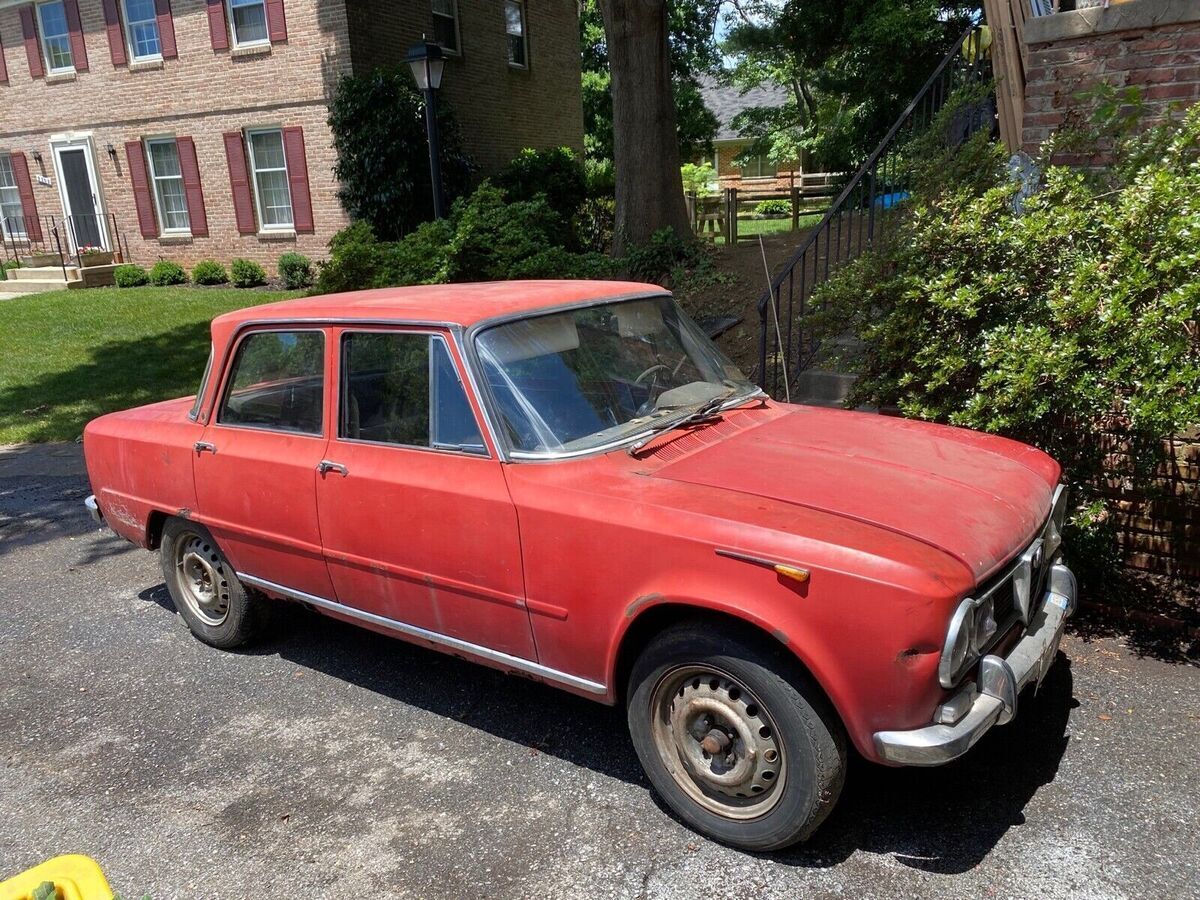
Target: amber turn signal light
792, 572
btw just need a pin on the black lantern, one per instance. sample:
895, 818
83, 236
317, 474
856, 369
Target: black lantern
427, 63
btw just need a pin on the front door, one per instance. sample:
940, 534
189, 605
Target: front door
256, 464
80, 195
416, 520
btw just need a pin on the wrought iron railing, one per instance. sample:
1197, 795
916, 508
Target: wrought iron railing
865, 210
29, 237
96, 231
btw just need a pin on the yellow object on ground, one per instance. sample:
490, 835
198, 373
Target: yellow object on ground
74, 877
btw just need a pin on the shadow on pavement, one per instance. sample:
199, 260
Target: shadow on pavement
943, 820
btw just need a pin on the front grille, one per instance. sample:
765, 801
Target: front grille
1002, 587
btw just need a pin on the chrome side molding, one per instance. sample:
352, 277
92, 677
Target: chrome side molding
433, 637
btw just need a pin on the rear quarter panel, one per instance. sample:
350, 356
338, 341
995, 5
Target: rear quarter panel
140, 461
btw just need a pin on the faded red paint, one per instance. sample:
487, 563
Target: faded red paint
554, 562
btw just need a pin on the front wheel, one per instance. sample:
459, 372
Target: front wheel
734, 736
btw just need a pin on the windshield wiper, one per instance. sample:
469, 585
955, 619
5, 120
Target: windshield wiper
704, 411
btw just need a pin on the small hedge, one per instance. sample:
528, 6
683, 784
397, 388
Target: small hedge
164, 273
209, 271
247, 273
128, 275
296, 271
773, 208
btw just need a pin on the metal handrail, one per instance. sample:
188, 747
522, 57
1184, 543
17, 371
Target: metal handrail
878, 171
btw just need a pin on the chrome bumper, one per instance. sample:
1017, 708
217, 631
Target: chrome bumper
993, 700
93, 509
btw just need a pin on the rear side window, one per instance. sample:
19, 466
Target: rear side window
278, 382
402, 388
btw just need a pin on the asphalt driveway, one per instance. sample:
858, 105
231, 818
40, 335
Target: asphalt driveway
332, 762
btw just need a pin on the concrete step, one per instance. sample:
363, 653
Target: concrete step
97, 276
821, 387
44, 273
38, 285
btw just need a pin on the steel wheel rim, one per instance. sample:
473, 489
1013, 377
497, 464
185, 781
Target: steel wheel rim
201, 580
698, 709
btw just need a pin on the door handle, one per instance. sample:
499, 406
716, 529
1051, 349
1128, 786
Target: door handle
203, 446
326, 465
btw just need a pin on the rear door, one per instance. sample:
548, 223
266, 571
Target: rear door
256, 464
416, 519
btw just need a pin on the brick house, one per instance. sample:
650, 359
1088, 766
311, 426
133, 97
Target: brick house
756, 173
199, 126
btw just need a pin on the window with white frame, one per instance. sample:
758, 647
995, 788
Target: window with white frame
445, 24
249, 21
56, 38
760, 166
169, 196
12, 214
272, 196
141, 29
514, 27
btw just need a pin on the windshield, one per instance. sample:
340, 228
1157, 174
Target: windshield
587, 377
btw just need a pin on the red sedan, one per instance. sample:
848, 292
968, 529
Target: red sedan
568, 481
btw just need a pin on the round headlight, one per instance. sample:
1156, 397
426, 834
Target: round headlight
959, 642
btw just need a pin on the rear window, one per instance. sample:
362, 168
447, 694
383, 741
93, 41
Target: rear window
278, 382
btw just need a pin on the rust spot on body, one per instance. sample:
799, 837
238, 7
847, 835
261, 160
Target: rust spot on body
909, 655
637, 605
185, 513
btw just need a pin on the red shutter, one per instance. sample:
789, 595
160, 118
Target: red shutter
276, 21
33, 226
3, 65
78, 48
32, 50
190, 169
112, 27
216, 25
297, 165
140, 179
166, 28
239, 180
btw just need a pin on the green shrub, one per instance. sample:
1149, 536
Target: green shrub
164, 272
358, 261
128, 275
382, 166
1070, 326
295, 269
557, 175
492, 236
5, 267
773, 208
247, 273
209, 271
699, 179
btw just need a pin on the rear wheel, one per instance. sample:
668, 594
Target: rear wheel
214, 604
734, 736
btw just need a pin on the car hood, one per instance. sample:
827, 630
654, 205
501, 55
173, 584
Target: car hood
977, 497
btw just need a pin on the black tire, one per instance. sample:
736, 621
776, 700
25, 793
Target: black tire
807, 738
236, 615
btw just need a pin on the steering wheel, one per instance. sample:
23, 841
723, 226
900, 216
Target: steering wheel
657, 367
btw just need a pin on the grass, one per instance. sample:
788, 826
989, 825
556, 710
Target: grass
750, 227
69, 356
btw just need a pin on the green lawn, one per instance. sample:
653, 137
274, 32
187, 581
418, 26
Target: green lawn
749, 227
68, 356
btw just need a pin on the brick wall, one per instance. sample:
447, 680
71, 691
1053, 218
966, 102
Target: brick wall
1153, 44
201, 93
501, 109
730, 176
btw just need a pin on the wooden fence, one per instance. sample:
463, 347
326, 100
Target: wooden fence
717, 216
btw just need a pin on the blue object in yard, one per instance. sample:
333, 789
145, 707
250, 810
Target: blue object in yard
887, 201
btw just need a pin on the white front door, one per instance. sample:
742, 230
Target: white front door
80, 192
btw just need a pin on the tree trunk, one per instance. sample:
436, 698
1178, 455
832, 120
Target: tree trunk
649, 188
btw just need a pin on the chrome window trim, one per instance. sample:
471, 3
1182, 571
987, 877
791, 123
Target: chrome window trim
481, 453
226, 384
434, 637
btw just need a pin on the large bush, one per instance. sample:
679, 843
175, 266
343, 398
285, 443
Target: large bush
378, 124
557, 175
1072, 326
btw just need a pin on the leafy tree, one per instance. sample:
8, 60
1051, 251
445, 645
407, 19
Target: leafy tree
378, 129
849, 67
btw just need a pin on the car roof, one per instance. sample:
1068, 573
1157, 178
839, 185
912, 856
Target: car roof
452, 304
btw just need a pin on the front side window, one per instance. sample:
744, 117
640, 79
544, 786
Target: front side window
402, 388
12, 214
141, 28
514, 27
445, 24
274, 197
56, 39
249, 21
591, 376
277, 382
169, 195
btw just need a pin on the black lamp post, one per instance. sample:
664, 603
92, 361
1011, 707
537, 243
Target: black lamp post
427, 63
